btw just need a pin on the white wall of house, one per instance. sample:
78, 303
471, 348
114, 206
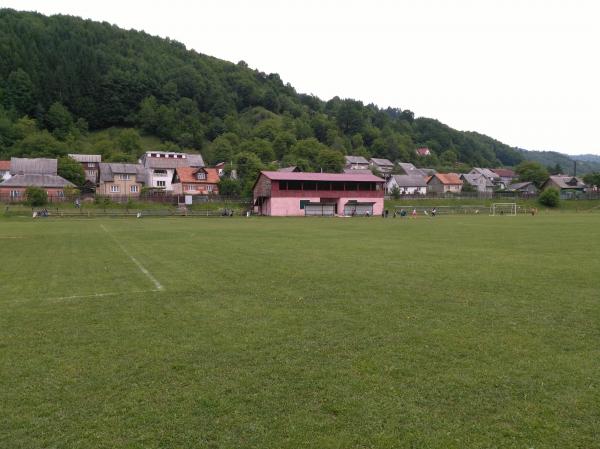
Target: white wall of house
160, 178
406, 190
4, 175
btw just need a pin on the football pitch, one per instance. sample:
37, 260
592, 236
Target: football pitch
445, 332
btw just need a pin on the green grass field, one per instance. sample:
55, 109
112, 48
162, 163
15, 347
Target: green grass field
453, 332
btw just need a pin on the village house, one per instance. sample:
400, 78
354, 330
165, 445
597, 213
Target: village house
479, 182
444, 183
356, 163
91, 167
160, 167
507, 176
4, 170
38, 172
288, 193
489, 174
196, 181
121, 179
423, 151
527, 188
568, 186
407, 184
383, 166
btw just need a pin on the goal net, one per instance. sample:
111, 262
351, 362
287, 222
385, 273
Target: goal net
503, 209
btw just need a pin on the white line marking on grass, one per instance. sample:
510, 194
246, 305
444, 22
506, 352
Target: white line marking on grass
157, 284
100, 295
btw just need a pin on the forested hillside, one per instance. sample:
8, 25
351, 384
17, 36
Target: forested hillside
563, 163
62, 77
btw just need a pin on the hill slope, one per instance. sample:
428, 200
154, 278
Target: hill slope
67, 75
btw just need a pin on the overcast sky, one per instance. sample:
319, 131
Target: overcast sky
525, 72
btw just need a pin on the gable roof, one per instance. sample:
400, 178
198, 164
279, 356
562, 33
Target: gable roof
293, 176
169, 161
409, 181
474, 179
86, 157
504, 172
520, 185
382, 162
567, 182
39, 166
4, 165
188, 175
446, 178
108, 170
292, 168
485, 172
358, 171
356, 160
38, 180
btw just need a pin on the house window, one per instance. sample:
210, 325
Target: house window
160, 172
91, 172
161, 183
201, 175
91, 165
134, 189
190, 187
303, 204
15, 194
209, 187
114, 189
124, 177
61, 193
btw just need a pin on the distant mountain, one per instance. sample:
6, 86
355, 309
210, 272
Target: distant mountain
585, 163
587, 157
61, 76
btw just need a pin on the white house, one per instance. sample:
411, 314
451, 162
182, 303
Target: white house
407, 184
160, 166
356, 163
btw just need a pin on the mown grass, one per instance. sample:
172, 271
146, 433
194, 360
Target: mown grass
453, 332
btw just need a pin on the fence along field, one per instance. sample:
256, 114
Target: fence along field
462, 331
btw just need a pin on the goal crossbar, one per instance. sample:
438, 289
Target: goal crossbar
503, 209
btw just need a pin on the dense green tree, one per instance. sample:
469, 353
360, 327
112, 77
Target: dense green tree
71, 170
36, 196
532, 171
19, 92
550, 197
592, 179
59, 120
330, 161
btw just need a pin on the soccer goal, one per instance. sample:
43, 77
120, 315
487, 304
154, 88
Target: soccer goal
503, 209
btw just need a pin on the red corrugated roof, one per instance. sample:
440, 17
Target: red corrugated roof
4, 165
504, 172
292, 176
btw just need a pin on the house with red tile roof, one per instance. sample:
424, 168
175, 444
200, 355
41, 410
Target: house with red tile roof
444, 183
296, 194
423, 151
195, 181
4, 170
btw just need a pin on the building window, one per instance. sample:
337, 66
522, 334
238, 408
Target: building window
134, 189
200, 175
114, 189
15, 194
91, 172
125, 177
61, 193
91, 165
303, 204
209, 187
190, 187
161, 183
160, 172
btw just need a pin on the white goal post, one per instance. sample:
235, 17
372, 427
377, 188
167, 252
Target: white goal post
503, 209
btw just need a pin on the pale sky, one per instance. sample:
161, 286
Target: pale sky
525, 72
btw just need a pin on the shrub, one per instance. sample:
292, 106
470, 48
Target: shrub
549, 197
395, 192
36, 196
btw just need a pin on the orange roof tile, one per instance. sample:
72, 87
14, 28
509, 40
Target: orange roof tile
4, 165
188, 174
448, 178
